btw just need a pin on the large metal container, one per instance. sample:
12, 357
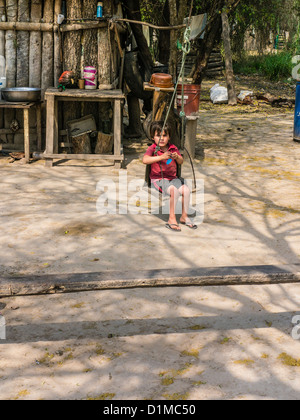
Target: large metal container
297, 114
21, 94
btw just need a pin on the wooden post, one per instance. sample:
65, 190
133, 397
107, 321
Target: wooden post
90, 53
23, 46
35, 48
51, 128
104, 74
47, 48
39, 126
72, 58
232, 100
26, 135
117, 130
2, 52
57, 70
22, 76
11, 61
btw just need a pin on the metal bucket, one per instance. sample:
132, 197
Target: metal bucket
297, 114
191, 98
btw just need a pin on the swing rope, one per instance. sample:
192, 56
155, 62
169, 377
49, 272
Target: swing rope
186, 48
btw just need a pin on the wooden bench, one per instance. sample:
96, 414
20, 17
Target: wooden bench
53, 95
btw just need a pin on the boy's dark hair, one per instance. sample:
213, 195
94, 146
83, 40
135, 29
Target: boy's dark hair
157, 126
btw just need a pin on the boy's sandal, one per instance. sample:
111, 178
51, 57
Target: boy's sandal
190, 225
169, 226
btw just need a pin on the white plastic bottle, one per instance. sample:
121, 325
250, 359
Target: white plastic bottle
2, 71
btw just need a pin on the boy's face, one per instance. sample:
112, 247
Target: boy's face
161, 139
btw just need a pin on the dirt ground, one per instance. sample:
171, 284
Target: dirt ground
222, 342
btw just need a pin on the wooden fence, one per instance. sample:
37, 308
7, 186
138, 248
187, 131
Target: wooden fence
37, 50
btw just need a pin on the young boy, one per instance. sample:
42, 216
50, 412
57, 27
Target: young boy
164, 157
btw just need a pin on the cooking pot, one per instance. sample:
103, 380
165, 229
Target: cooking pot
162, 80
21, 94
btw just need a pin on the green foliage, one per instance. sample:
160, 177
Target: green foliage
272, 66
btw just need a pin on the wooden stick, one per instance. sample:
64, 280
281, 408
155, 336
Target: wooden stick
82, 26
26, 135
162, 28
28, 26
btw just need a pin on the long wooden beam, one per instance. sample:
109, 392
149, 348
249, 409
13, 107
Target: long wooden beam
49, 27
214, 276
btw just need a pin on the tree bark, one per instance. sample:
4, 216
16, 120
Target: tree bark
164, 37
232, 99
176, 17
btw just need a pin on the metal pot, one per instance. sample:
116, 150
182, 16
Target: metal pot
21, 94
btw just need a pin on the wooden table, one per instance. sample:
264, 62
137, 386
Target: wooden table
26, 106
53, 95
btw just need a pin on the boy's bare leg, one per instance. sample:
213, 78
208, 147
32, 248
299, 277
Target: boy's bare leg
174, 195
186, 193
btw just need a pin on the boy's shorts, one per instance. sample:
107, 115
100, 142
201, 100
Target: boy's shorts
162, 185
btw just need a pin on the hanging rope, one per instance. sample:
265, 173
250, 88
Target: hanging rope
186, 48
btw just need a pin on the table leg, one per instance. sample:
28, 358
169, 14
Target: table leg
50, 128
39, 126
117, 130
26, 135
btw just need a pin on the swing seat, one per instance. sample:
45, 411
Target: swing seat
147, 174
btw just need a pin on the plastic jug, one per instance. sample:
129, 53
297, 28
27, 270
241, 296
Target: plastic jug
2, 71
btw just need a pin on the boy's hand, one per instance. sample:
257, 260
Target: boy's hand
174, 155
166, 156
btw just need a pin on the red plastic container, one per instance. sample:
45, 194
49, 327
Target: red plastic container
191, 98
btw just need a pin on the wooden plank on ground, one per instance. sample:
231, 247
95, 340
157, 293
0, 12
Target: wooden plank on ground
215, 276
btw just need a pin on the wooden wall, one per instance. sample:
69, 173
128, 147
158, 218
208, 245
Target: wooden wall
36, 58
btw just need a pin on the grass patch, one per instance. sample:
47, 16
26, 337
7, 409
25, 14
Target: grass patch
274, 67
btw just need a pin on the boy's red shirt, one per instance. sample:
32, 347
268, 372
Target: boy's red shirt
169, 171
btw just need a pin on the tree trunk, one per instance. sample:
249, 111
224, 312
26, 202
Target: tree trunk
232, 100
164, 37
173, 39
133, 12
212, 35
176, 18
135, 129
